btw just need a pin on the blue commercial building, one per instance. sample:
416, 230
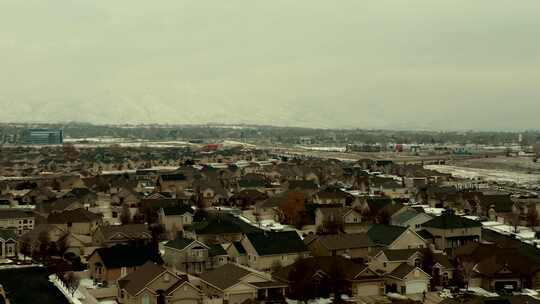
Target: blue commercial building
43, 137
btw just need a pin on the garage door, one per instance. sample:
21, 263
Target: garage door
239, 297
416, 287
368, 290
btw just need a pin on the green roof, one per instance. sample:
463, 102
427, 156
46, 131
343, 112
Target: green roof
179, 243
7, 234
283, 242
220, 224
178, 210
216, 250
451, 221
385, 234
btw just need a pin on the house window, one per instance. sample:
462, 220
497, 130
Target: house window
403, 289
384, 264
145, 299
123, 271
445, 278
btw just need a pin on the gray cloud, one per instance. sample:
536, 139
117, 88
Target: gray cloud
376, 63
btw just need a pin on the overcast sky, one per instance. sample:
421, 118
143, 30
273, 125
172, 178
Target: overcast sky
441, 64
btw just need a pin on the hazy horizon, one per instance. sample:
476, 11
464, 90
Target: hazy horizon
376, 64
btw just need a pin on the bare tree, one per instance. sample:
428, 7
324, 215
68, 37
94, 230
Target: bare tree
125, 215
532, 216
466, 266
72, 282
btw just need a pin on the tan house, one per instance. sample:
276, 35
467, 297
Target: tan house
172, 183
395, 237
235, 284
18, 220
112, 263
151, 284
388, 260
267, 249
9, 245
357, 279
78, 221
192, 256
115, 234
451, 231
343, 217
174, 218
407, 279
354, 246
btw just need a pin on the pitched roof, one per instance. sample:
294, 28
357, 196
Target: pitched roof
282, 242
173, 177
131, 231
178, 210
239, 247
222, 223
73, 216
385, 234
327, 264
13, 214
225, 276
179, 243
136, 281
404, 216
345, 241
126, 256
302, 184
399, 254
7, 234
216, 250
402, 271
451, 221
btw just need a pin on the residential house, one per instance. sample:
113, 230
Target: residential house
333, 196
83, 195
407, 279
247, 197
501, 265
267, 249
172, 183
18, 220
443, 270
109, 264
192, 256
175, 218
410, 218
338, 218
354, 246
219, 228
451, 231
237, 253
152, 283
395, 237
9, 244
357, 279
110, 235
37, 196
78, 221
235, 284
388, 260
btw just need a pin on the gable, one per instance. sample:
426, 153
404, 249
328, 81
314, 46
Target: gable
416, 274
241, 287
253, 278
408, 240
184, 290
367, 272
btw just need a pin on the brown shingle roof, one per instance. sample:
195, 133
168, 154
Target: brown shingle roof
225, 276
136, 281
345, 241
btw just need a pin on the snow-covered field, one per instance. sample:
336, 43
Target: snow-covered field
494, 175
